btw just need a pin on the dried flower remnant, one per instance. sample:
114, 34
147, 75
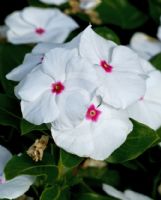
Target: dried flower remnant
36, 151
77, 6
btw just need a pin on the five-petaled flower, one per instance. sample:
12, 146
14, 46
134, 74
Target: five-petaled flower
118, 68
102, 130
32, 25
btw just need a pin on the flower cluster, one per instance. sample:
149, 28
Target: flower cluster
87, 89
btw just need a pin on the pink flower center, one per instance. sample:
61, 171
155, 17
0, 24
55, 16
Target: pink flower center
106, 66
57, 87
42, 58
40, 31
92, 113
141, 99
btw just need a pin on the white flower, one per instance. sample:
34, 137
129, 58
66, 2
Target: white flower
126, 195
15, 187
32, 25
56, 2
89, 4
144, 45
62, 85
117, 67
102, 130
148, 109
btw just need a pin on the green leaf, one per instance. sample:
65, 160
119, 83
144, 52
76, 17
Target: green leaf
155, 9
8, 120
10, 106
107, 34
37, 3
55, 193
93, 196
10, 57
69, 160
138, 141
121, 13
23, 164
102, 175
10, 113
156, 61
27, 127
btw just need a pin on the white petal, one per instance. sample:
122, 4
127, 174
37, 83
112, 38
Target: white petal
42, 110
146, 112
62, 21
153, 92
56, 2
95, 47
125, 60
44, 47
81, 69
88, 4
131, 195
15, 22
148, 109
126, 195
122, 89
54, 65
96, 140
35, 84
16, 187
159, 31
145, 45
29, 63
29, 37
38, 17
146, 66
114, 193
72, 105
5, 156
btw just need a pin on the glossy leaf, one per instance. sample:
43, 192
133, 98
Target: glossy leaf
23, 164
8, 120
27, 127
155, 9
107, 34
93, 196
121, 13
9, 105
156, 61
102, 175
69, 160
55, 193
